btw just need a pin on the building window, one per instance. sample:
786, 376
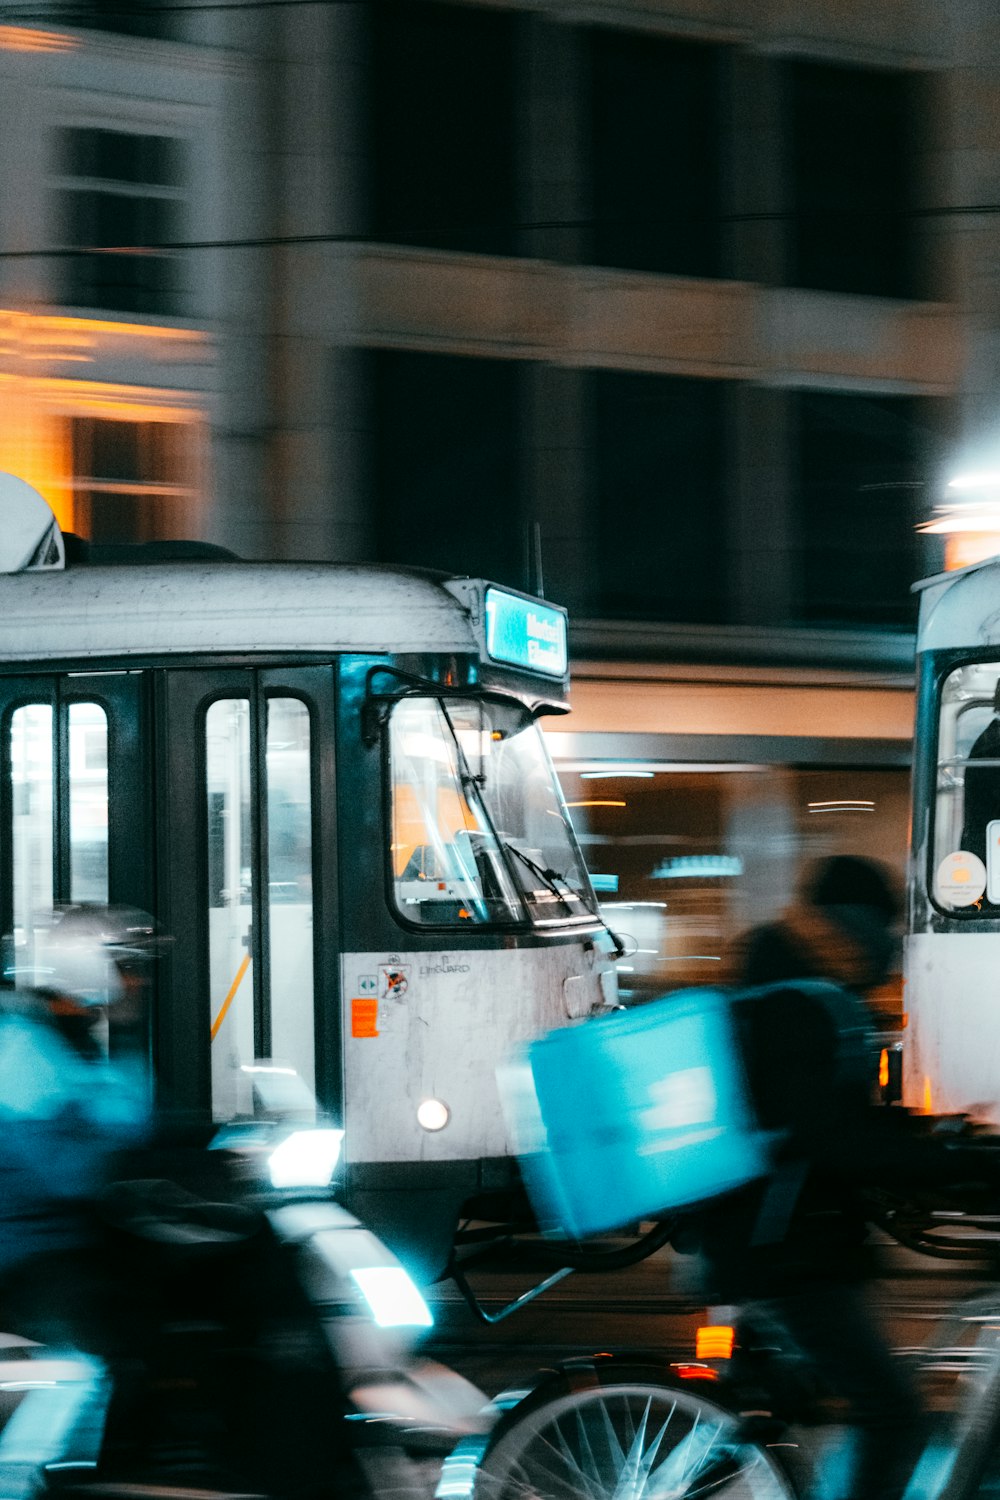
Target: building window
132, 480
659, 550
856, 501
441, 111
148, 18
852, 171
120, 193
445, 464
654, 140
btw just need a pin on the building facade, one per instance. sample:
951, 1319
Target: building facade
682, 310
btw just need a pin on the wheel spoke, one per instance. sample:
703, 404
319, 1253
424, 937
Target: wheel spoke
628, 1469
629, 1442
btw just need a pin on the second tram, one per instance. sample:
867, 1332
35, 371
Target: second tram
952, 1053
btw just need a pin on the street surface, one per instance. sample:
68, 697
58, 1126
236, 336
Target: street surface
653, 1308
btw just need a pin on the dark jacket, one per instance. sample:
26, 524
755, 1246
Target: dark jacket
805, 1051
63, 1116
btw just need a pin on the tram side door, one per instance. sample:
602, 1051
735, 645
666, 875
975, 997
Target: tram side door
246, 882
74, 795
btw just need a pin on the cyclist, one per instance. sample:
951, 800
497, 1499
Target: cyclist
797, 1243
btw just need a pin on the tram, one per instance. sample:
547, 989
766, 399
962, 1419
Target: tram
952, 1051
329, 785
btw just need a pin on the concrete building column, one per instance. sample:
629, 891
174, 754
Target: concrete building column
554, 482
297, 134
239, 514
760, 516
551, 205
754, 183
551, 194
756, 249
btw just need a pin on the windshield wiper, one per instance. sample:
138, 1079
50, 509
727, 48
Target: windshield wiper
550, 878
553, 880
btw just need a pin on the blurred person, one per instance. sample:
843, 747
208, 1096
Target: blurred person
74, 1091
842, 927
68, 1105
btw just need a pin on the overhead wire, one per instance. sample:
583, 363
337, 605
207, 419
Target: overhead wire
431, 235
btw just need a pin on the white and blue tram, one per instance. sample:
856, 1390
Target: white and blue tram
952, 997
329, 785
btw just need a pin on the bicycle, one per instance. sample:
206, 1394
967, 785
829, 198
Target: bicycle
607, 1428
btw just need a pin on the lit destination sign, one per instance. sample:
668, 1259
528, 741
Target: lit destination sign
525, 633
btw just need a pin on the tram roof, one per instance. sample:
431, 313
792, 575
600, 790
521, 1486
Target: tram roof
145, 610
960, 609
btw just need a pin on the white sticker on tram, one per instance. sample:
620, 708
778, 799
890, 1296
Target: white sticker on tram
960, 878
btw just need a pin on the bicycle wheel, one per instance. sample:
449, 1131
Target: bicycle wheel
632, 1437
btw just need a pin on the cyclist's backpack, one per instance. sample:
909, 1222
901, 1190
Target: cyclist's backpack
635, 1114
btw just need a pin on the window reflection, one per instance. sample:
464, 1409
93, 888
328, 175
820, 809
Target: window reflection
966, 857
479, 830
447, 867
31, 765
685, 858
88, 802
289, 862
230, 891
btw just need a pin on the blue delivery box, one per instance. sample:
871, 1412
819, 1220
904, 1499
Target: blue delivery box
631, 1115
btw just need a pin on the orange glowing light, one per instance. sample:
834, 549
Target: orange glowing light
695, 1372
38, 403
21, 331
962, 549
596, 803
714, 1341
31, 39
883, 1068
928, 1101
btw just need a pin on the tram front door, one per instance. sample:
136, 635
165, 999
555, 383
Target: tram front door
246, 881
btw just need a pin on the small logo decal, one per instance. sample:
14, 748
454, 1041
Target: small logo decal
394, 981
680, 1100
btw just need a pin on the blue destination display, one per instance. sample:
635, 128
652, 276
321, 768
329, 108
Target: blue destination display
524, 633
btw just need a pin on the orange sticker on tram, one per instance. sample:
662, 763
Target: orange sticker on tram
364, 1017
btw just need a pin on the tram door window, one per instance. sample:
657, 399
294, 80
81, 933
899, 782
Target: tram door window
259, 781
72, 810
88, 802
238, 1029
230, 899
289, 888
33, 828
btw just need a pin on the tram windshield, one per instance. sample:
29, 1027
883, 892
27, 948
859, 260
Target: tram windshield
480, 833
966, 861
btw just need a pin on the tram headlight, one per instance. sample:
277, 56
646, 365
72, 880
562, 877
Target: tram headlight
433, 1114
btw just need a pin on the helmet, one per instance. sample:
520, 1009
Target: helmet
85, 953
